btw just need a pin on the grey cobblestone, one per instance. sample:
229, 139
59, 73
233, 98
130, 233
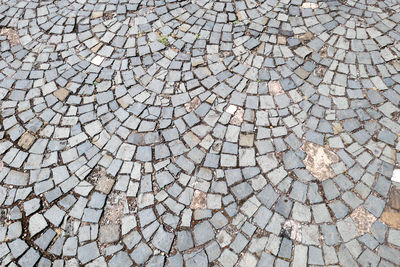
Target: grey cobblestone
179, 133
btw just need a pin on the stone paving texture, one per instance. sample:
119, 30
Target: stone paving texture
200, 133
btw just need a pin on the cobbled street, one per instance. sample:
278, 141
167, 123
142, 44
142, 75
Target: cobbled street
200, 133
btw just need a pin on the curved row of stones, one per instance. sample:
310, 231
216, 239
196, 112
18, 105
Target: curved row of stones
198, 133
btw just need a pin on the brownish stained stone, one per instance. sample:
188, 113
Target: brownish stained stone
391, 218
281, 40
26, 140
246, 140
391, 214
394, 198
122, 102
61, 94
302, 73
96, 14
362, 219
309, 5
199, 201
96, 48
318, 160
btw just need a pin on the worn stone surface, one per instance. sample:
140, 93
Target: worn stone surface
109, 233
199, 200
275, 88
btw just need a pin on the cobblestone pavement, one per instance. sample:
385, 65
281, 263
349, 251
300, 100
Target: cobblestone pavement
200, 133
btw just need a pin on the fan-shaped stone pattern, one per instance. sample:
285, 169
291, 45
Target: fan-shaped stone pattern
182, 132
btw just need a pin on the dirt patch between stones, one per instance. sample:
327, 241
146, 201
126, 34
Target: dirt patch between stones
12, 35
363, 220
318, 161
114, 208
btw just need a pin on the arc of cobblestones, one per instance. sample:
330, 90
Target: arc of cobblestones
199, 133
